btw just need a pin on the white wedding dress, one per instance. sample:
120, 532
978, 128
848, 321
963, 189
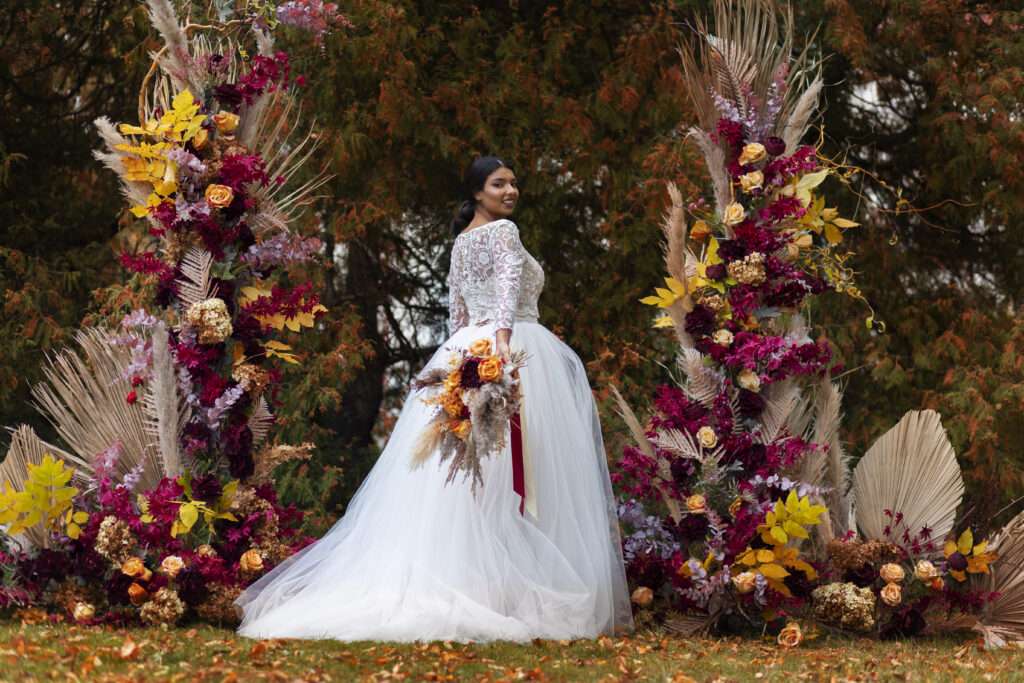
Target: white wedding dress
415, 559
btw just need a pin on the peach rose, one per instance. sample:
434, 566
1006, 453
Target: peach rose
697, 504
137, 594
83, 611
749, 380
707, 437
892, 594
751, 181
251, 561
490, 369
206, 550
225, 121
481, 348
734, 213
892, 573
722, 337
752, 153
172, 565
791, 635
642, 596
700, 231
925, 570
744, 582
219, 196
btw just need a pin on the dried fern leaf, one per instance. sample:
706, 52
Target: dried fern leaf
911, 470
703, 383
196, 282
260, 421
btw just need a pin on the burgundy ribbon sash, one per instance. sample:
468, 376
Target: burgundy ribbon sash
518, 470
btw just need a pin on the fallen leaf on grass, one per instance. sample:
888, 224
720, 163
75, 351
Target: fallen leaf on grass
129, 649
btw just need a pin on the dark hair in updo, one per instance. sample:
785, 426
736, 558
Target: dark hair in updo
472, 182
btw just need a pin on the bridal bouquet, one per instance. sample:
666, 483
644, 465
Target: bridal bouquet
479, 395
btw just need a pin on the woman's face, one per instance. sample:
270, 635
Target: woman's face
499, 195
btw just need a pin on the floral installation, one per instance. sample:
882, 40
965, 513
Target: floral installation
160, 505
739, 507
474, 397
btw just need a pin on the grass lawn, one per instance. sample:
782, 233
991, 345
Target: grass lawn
30, 652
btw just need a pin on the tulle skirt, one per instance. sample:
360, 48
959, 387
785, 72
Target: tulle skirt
415, 559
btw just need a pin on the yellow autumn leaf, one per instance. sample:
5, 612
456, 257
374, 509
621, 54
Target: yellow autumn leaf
664, 321
965, 542
188, 515
773, 571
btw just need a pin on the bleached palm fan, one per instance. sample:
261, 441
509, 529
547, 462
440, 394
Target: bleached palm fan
746, 63
912, 470
1002, 620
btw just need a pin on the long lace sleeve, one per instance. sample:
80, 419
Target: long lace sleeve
458, 313
508, 255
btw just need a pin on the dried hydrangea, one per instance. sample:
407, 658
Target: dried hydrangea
847, 555
845, 605
165, 607
210, 320
713, 302
219, 607
114, 540
749, 271
252, 377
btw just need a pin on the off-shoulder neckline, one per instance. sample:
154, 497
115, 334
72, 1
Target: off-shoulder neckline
482, 226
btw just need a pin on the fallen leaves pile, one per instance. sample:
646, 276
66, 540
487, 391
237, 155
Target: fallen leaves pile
42, 651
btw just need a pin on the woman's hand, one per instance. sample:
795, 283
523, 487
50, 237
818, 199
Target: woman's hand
502, 340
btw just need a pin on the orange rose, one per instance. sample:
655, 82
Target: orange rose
137, 594
490, 369
791, 635
696, 504
700, 231
452, 382
219, 196
226, 121
453, 405
481, 348
200, 139
133, 567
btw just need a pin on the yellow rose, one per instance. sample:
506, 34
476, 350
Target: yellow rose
490, 369
200, 139
751, 181
642, 596
83, 611
734, 213
744, 582
133, 567
206, 550
219, 196
462, 429
752, 153
722, 337
226, 121
707, 437
749, 380
172, 565
925, 570
453, 381
892, 594
892, 573
251, 561
700, 231
481, 348
791, 636
137, 594
697, 504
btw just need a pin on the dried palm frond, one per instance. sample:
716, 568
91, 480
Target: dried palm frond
680, 443
196, 283
781, 399
1002, 619
690, 624
28, 449
260, 421
703, 383
166, 411
83, 397
911, 470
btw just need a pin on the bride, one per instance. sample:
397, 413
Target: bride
415, 559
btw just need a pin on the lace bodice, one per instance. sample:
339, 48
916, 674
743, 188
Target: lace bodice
492, 278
